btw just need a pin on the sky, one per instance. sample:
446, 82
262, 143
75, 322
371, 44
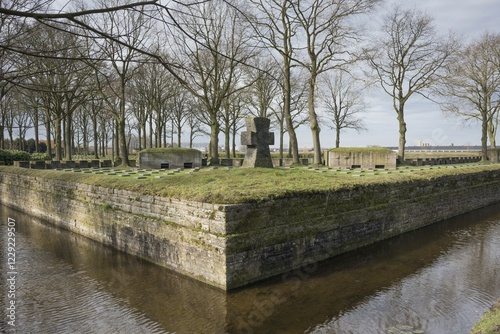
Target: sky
425, 121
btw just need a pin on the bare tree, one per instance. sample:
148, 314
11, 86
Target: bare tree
53, 73
298, 107
152, 89
93, 107
327, 34
233, 112
473, 86
213, 64
275, 27
266, 86
179, 105
407, 59
343, 103
128, 34
12, 30
194, 123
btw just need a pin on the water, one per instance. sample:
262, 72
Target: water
436, 280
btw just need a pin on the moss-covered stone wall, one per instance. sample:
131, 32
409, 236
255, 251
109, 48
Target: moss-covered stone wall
272, 237
233, 245
184, 236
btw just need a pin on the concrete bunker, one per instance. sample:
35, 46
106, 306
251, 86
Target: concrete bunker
169, 158
356, 157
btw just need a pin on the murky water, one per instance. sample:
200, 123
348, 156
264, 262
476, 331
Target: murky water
436, 280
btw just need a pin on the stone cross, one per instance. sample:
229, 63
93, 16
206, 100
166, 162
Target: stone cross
257, 138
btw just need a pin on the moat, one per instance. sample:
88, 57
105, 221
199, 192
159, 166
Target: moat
438, 279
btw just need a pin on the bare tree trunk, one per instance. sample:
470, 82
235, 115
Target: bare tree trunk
104, 139
227, 143
48, 131
234, 140
484, 139
282, 144
96, 139
122, 147
85, 136
117, 138
294, 147
313, 119
151, 132
179, 135
11, 138
492, 131
402, 135
145, 136
2, 138
337, 137
214, 139
37, 132
58, 138
68, 136
165, 137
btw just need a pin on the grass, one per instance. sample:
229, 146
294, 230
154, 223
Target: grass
437, 154
239, 185
168, 149
489, 323
362, 149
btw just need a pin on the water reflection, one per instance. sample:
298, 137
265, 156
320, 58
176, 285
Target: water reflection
439, 279
69, 284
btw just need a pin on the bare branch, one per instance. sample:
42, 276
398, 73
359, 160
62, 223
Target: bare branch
72, 15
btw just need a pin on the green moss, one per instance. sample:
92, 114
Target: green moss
106, 207
362, 149
489, 323
168, 150
432, 154
254, 185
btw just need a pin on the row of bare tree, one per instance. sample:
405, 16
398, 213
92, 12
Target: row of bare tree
118, 69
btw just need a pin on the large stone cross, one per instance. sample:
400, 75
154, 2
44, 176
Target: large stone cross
257, 138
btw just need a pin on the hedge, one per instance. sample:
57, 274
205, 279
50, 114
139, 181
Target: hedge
9, 156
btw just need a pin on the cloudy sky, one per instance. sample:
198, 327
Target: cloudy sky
425, 121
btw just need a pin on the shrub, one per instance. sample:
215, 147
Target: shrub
40, 157
4, 156
20, 155
9, 156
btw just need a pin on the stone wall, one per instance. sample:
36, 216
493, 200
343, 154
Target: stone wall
233, 245
181, 235
273, 237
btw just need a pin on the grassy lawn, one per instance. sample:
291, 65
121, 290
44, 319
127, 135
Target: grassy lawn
489, 323
437, 154
238, 185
